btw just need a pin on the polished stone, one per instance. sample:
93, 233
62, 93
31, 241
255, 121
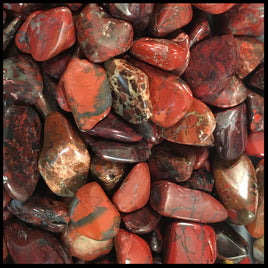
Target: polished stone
214, 8
255, 144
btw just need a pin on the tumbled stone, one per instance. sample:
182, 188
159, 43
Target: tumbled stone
64, 160
130, 85
22, 10
30, 245
255, 144
258, 250
86, 88
130, 248
236, 187
201, 154
214, 8
92, 214
257, 79
189, 243
172, 200
21, 149
134, 191
195, 128
168, 17
155, 239
101, 36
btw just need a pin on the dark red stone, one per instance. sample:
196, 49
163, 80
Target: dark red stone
257, 79
101, 36
22, 10
202, 154
231, 132
214, 8
21, 149
189, 243
255, 144
155, 239
30, 245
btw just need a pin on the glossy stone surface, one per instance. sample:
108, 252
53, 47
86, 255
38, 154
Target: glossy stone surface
172, 200
83, 247
138, 14
255, 144
134, 191
86, 88
258, 251
23, 240
162, 53
255, 111
257, 79
130, 248
101, 36
141, 221
21, 10
155, 239
202, 154
92, 213
214, 8
166, 91
195, 128
256, 227
58, 22
251, 53
231, 132
44, 211
118, 152
189, 243
242, 19
21, 149
64, 160
108, 174
206, 75
130, 85
236, 187
168, 17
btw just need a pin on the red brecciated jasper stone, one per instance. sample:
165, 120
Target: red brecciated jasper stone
255, 144
64, 160
130, 248
22, 10
155, 238
21, 149
195, 128
189, 243
166, 90
162, 53
257, 79
57, 22
114, 128
256, 227
251, 53
83, 247
172, 200
101, 36
231, 132
30, 245
61, 99
236, 187
73, 6
87, 91
255, 111
168, 17
141, 221
201, 154
134, 191
138, 14
214, 8
92, 213
242, 19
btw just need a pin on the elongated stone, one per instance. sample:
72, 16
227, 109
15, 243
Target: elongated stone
172, 200
21, 149
214, 8
189, 243
236, 186
92, 213
64, 160
130, 86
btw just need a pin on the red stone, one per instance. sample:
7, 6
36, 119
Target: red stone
172, 200
162, 53
255, 144
166, 90
195, 128
202, 154
189, 243
87, 91
101, 36
22, 10
214, 8
257, 79
168, 17
236, 187
134, 191
155, 239
130, 248
61, 99
50, 33
92, 213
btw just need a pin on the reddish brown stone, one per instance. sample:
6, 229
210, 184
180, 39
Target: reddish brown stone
258, 250
202, 154
255, 144
155, 239
214, 8
257, 79
22, 10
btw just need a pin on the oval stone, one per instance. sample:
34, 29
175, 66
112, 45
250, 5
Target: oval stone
255, 144
236, 186
214, 8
